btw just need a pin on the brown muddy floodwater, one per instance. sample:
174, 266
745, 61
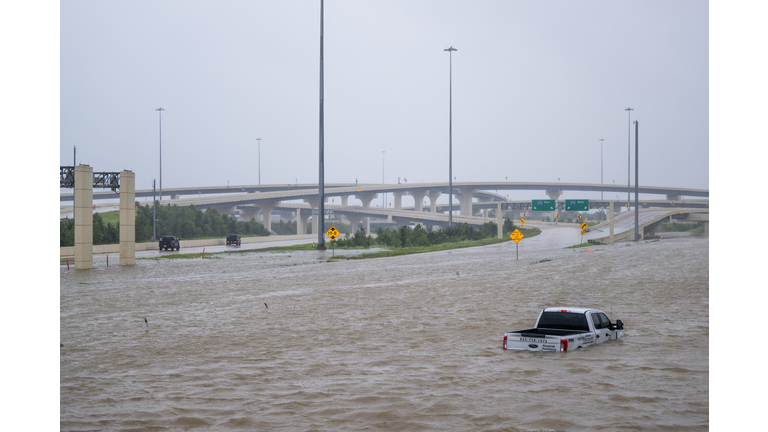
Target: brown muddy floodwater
408, 343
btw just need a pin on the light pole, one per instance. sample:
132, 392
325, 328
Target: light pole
160, 113
601, 166
321, 182
450, 134
637, 182
384, 202
629, 134
259, 140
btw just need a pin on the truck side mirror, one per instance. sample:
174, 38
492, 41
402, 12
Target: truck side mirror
619, 325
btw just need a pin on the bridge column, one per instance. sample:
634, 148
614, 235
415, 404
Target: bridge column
366, 199
313, 204
674, 197
398, 200
173, 197
249, 212
465, 201
433, 195
418, 199
83, 214
344, 201
499, 222
302, 216
266, 214
610, 222
554, 195
226, 210
652, 232
355, 220
127, 218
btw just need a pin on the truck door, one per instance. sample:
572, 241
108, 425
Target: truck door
602, 332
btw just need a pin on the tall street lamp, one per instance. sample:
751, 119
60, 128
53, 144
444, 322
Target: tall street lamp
629, 134
321, 180
601, 167
160, 113
384, 201
259, 140
450, 134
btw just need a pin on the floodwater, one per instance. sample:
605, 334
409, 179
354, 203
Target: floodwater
292, 342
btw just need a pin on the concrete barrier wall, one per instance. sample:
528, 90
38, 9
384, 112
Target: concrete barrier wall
115, 248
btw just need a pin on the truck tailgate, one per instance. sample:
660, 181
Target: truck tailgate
531, 342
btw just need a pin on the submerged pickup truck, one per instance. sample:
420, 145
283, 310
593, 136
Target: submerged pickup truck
565, 329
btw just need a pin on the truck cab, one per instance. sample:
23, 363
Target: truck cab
565, 329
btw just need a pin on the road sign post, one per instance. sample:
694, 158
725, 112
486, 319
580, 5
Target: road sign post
332, 233
516, 236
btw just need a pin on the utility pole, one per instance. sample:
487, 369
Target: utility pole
601, 166
629, 139
637, 178
321, 182
450, 134
160, 112
154, 210
384, 202
259, 140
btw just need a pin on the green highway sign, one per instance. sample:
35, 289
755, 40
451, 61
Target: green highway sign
543, 205
577, 205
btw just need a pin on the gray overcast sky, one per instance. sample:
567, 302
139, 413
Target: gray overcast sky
535, 87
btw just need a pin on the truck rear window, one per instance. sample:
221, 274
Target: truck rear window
563, 320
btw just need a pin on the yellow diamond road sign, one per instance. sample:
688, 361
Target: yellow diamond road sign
516, 236
332, 233
583, 225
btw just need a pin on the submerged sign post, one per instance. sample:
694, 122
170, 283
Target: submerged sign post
517, 236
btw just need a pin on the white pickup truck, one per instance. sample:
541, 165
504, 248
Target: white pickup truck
565, 329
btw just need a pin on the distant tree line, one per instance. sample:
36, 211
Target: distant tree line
406, 236
183, 222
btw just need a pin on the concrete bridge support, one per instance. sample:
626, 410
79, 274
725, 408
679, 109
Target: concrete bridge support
418, 199
83, 214
554, 195
465, 200
433, 195
313, 204
249, 212
266, 214
366, 199
398, 198
127, 218
225, 210
355, 222
302, 217
674, 197
610, 222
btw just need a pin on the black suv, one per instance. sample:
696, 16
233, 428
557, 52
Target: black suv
169, 242
233, 239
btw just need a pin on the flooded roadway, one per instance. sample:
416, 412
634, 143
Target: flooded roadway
290, 341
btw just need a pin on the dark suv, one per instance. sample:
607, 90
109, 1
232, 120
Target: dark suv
233, 239
169, 242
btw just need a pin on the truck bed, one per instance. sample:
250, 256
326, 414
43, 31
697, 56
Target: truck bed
539, 332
